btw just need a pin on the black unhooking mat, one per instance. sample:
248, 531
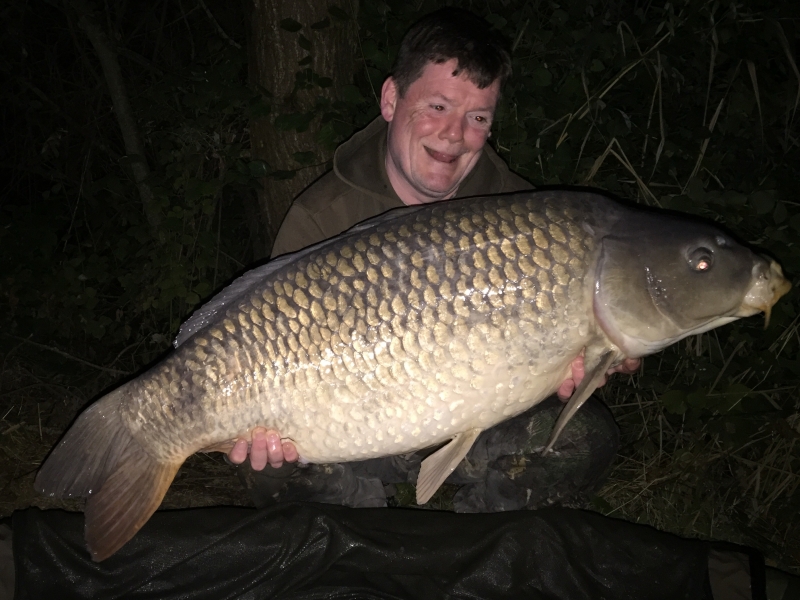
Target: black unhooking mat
308, 551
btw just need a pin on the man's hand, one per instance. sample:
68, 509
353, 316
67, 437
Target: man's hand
266, 447
627, 367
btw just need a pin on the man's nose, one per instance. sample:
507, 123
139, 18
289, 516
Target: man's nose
453, 130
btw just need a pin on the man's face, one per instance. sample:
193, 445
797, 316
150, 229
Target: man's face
436, 132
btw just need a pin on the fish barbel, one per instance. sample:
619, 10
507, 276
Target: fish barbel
422, 326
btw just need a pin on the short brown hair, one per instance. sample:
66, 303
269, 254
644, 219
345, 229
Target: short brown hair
453, 33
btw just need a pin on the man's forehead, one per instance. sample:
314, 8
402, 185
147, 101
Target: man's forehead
441, 80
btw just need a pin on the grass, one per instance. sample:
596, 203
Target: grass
676, 480
692, 483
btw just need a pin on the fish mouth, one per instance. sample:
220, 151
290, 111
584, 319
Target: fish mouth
768, 287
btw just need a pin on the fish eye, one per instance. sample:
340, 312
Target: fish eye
701, 259
721, 241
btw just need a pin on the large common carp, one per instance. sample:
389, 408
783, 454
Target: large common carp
422, 326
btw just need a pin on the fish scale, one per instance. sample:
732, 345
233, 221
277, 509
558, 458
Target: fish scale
377, 344
419, 327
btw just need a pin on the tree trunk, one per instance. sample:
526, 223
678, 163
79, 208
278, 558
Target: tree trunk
107, 55
276, 46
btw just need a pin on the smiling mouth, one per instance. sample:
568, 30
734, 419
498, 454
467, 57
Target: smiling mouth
441, 157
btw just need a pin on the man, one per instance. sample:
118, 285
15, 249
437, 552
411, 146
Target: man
428, 145
438, 104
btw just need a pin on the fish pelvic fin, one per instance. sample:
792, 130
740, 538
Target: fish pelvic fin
438, 466
100, 459
590, 383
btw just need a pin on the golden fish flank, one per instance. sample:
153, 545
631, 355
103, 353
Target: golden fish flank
483, 290
423, 326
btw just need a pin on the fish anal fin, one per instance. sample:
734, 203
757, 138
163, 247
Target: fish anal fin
438, 466
125, 502
591, 381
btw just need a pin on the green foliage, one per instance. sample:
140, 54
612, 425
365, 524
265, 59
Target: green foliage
690, 106
80, 266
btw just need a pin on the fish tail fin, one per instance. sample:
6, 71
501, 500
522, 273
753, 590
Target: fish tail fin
99, 459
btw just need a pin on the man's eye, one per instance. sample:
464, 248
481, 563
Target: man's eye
437, 107
480, 119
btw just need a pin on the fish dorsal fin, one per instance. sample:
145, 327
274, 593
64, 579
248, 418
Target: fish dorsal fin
207, 313
590, 383
438, 466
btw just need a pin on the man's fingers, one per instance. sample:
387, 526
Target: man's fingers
238, 453
566, 389
265, 448
578, 369
259, 455
629, 366
290, 452
274, 449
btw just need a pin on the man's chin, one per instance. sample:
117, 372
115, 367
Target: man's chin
438, 188
436, 195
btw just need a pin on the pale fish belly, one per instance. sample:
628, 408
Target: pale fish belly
334, 413
395, 424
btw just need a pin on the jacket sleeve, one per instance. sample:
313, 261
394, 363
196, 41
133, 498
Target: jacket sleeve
298, 230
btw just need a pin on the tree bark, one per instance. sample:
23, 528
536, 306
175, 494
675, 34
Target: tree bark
134, 147
274, 54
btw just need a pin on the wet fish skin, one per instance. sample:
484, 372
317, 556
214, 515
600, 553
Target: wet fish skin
338, 349
423, 326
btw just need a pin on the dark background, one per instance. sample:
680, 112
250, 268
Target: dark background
149, 151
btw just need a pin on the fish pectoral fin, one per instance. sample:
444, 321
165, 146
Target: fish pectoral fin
438, 466
590, 383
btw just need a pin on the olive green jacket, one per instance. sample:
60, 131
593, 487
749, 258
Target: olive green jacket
358, 188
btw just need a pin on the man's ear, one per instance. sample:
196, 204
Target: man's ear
388, 99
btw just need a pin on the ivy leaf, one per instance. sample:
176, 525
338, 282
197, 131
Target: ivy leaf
280, 175
497, 21
560, 17
674, 401
258, 168
304, 42
297, 121
695, 190
326, 22
596, 66
304, 158
523, 154
290, 25
542, 77
351, 94
304, 61
326, 136
697, 400
763, 201
338, 13
780, 214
